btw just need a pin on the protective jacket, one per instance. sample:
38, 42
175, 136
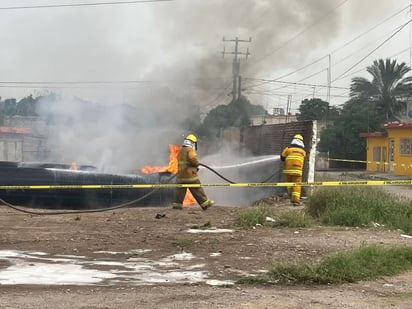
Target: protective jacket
294, 158
188, 164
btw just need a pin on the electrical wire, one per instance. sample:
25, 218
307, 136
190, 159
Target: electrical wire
301, 32
375, 49
79, 4
342, 46
295, 83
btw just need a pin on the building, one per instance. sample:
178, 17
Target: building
21, 140
390, 151
272, 119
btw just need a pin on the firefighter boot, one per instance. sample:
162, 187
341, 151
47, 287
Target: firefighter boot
177, 206
207, 204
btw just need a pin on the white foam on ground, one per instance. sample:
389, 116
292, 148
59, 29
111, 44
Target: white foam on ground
196, 231
41, 268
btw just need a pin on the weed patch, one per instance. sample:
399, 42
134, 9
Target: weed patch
365, 263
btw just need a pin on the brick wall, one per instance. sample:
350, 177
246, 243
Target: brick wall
271, 139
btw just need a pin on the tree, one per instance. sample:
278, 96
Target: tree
388, 89
27, 106
10, 107
236, 114
341, 139
316, 109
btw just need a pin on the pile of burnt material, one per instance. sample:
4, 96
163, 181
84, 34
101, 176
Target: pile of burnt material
22, 176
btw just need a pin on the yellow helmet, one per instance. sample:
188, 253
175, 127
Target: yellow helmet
192, 138
298, 136
191, 141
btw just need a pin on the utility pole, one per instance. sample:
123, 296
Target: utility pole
288, 108
236, 92
329, 80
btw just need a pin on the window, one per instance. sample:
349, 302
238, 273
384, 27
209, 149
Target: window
406, 146
391, 150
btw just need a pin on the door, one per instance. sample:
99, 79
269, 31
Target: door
384, 159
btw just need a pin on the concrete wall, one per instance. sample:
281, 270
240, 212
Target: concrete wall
22, 147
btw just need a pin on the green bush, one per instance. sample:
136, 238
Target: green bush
360, 206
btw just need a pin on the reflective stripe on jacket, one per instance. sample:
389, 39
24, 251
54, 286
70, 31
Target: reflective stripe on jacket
187, 164
294, 158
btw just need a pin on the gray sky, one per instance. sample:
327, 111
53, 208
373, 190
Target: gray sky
167, 56
178, 44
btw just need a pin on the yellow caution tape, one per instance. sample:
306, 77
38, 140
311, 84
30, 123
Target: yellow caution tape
238, 185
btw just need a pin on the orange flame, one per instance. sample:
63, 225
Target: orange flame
172, 168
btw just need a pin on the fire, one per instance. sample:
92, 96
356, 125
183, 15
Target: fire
172, 168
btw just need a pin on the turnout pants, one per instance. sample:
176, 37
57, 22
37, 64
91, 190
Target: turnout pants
294, 191
198, 193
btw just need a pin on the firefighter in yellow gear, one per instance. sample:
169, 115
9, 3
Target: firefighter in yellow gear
188, 166
293, 157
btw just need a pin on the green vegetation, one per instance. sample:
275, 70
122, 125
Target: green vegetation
254, 215
294, 219
257, 214
235, 114
317, 109
360, 207
387, 90
344, 206
372, 102
365, 263
341, 138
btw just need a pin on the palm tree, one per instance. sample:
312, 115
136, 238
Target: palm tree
388, 90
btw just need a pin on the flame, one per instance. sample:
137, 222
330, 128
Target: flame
172, 168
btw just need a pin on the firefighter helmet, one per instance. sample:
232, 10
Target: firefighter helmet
192, 138
298, 141
298, 136
191, 141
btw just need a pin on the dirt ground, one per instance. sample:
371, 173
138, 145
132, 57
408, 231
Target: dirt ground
165, 258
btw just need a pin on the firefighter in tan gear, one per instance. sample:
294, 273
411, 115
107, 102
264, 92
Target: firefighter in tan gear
188, 166
294, 157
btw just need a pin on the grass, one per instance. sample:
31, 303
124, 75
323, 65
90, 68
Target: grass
364, 263
360, 207
253, 216
294, 219
257, 214
340, 206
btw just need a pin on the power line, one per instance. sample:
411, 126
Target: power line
341, 47
293, 83
79, 4
380, 45
302, 31
370, 29
364, 68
